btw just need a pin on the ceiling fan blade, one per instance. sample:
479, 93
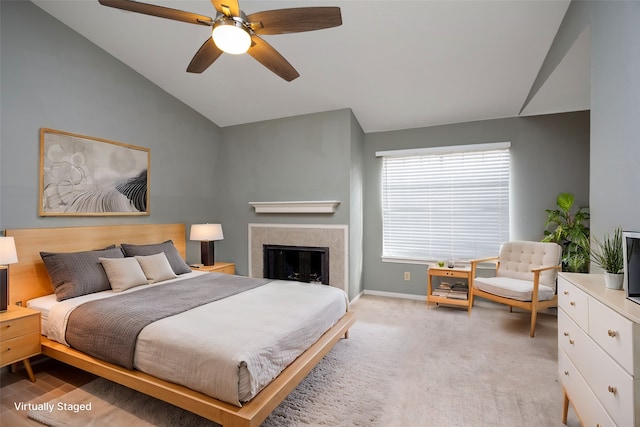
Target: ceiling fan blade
265, 54
204, 57
227, 7
159, 11
294, 20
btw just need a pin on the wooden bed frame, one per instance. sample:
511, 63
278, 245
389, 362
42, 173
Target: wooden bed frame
29, 279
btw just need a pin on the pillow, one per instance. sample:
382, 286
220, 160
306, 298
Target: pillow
177, 263
78, 273
123, 273
156, 267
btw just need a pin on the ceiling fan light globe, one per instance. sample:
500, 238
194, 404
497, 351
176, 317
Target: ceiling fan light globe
231, 37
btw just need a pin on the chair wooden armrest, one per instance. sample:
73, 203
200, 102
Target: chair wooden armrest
481, 260
536, 278
548, 267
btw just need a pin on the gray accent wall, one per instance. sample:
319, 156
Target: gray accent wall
302, 158
615, 116
549, 155
615, 107
52, 77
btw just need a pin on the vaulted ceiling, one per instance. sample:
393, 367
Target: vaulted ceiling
397, 64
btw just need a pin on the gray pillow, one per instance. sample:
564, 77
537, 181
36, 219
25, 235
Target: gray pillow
78, 273
178, 265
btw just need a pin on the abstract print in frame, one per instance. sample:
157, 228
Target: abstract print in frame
86, 176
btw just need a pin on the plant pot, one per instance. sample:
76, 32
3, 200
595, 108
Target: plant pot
613, 280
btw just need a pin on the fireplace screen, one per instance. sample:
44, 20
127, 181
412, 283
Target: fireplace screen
301, 263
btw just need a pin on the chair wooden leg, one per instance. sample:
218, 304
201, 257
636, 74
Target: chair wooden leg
534, 313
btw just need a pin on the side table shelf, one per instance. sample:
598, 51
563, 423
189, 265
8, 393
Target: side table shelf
456, 272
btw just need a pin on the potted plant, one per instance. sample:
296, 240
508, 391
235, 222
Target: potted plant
571, 232
607, 254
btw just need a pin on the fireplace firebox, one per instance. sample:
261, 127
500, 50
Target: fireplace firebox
301, 263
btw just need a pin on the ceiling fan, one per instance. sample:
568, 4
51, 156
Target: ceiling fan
234, 32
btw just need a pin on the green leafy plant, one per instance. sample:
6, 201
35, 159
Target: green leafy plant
607, 254
571, 232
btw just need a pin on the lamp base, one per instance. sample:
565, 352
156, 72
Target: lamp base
4, 289
207, 253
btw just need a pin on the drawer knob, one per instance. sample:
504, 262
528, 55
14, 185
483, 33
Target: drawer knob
573, 303
612, 389
571, 341
566, 292
566, 373
566, 334
611, 333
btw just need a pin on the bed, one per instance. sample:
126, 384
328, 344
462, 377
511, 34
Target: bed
30, 281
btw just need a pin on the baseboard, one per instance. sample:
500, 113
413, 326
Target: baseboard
395, 295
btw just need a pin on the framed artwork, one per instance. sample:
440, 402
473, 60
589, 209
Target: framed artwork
86, 176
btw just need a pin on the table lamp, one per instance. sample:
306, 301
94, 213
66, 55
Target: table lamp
206, 234
8, 255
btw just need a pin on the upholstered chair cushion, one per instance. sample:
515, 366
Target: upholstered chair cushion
517, 259
508, 287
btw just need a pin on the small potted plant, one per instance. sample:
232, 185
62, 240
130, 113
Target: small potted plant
607, 254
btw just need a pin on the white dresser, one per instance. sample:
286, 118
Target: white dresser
598, 351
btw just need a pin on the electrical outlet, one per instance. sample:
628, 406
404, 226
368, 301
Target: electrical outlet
407, 275
19, 303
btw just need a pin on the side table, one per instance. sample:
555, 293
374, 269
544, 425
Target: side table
457, 273
19, 336
217, 267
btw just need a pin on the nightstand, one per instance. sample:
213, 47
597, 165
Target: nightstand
19, 336
452, 273
218, 267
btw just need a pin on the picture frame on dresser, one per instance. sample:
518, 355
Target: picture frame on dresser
87, 176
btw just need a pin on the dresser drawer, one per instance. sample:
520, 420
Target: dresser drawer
615, 334
16, 327
589, 409
570, 336
19, 348
574, 302
610, 383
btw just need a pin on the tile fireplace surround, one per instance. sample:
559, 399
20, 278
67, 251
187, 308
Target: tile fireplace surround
335, 237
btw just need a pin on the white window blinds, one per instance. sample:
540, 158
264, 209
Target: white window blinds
445, 203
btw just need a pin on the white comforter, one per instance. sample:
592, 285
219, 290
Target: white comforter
232, 348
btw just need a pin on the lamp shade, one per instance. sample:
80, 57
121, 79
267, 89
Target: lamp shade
206, 232
8, 254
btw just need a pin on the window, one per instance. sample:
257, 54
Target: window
445, 203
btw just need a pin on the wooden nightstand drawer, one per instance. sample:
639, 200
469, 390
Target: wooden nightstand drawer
19, 326
19, 348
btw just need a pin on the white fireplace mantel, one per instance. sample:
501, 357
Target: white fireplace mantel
326, 206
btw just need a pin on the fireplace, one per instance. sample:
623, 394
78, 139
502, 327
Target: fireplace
332, 236
302, 263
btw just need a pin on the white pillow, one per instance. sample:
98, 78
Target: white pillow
123, 273
156, 267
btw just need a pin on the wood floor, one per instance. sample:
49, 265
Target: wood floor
53, 379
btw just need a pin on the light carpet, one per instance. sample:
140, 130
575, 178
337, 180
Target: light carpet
403, 364
350, 383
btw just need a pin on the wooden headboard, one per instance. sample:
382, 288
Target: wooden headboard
28, 278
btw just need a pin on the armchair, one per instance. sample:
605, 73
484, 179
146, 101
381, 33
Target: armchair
525, 277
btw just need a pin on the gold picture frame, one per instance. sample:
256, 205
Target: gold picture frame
86, 176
